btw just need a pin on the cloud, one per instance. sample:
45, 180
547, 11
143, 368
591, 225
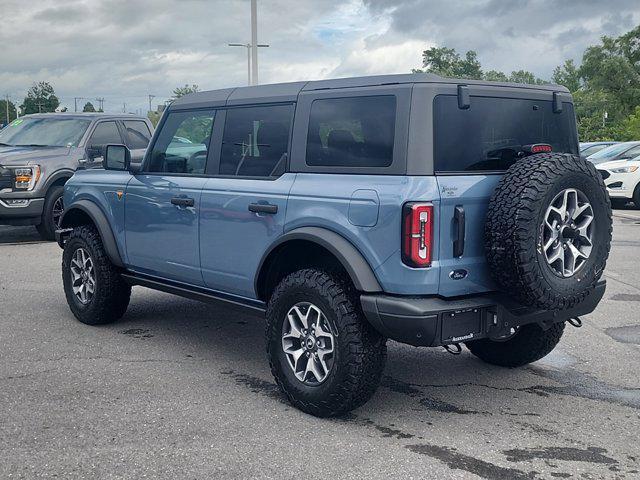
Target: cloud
123, 50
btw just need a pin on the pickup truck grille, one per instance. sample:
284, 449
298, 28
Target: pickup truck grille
6, 178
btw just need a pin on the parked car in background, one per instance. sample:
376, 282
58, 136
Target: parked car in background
39, 153
589, 148
622, 179
427, 210
618, 151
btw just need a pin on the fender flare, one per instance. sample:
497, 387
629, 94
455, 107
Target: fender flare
64, 173
352, 260
101, 223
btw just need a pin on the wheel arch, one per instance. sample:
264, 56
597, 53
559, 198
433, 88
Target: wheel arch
85, 212
58, 179
307, 242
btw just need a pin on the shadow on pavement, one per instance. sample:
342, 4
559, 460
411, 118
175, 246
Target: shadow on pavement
12, 235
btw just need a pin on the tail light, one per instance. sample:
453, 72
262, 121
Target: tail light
417, 234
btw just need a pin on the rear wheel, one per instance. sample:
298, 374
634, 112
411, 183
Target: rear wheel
528, 344
636, 196
51, 213
323, 353
95, 291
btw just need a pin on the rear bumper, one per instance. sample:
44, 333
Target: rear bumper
434, 321
28, 213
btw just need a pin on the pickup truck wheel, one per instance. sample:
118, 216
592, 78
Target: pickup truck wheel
323, 353
51, 213
548, 230
95, 291
528, 344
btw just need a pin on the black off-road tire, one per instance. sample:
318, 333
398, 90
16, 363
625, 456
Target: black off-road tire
47, 226
529, 344
360, 351
111, 294
513, 230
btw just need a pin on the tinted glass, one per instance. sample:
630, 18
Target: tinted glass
138, 134
182, 144
352, 132
256, 141
610, 153
64, 132
105, 133
491, 133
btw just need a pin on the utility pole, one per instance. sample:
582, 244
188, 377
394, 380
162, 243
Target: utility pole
254, 42
100, 100
40, 105
252, 48
7, 104
124, 107
151, 97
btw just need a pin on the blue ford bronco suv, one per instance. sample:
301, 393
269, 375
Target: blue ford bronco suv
426, 210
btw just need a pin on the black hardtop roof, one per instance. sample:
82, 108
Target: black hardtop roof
286, 92
87, 115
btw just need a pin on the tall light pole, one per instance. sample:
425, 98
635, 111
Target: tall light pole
252, 48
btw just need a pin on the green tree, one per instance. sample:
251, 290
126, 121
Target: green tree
88, 107
630, 128
182, 91
524, 76
40, 98
448, 63
3, 112
567, 75
495, 76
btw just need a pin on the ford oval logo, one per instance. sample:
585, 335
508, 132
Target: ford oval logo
458, 274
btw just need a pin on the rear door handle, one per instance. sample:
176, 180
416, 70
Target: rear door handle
263, 208
183, 201
458, 243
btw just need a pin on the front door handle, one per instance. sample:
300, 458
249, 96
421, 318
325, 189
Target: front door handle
183, 201
263, 208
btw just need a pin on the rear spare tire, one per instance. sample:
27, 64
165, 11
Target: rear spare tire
548, 230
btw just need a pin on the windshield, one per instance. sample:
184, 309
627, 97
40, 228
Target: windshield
609, 152
45, 132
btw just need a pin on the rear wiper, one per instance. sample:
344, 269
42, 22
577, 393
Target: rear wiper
2, 144
31, 145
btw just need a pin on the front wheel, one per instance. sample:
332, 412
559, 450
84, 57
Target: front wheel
95, 291
528, 344
51, 213
323, 353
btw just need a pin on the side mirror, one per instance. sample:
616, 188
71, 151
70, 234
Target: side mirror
116, 157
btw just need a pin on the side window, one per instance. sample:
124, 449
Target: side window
256, 140
105, 133
632, 152
182, 144
352, 132
138, 134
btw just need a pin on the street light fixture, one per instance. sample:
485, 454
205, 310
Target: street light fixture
252, 48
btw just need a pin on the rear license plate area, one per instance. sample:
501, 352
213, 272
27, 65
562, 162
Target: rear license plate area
461, 325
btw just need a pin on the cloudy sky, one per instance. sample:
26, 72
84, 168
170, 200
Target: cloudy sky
123, 50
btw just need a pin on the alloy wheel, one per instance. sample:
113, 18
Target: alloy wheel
83, 276
567, 232
308, 343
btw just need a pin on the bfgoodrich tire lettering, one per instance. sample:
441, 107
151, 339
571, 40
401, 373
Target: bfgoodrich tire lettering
359, 351
111, 294
514, 230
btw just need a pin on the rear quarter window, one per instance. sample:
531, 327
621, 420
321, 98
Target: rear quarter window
352, 132
488, 135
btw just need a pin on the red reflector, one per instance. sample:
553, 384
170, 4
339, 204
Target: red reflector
541, 147
417, 234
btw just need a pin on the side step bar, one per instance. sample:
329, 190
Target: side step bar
193, 292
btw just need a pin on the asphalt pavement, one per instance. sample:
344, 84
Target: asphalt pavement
180, 389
